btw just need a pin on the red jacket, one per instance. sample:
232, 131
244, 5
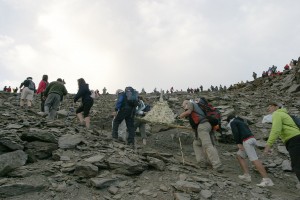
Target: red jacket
42, 86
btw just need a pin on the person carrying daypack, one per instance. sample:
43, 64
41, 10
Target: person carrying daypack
125, 107
284, 127
205, 152
27, 92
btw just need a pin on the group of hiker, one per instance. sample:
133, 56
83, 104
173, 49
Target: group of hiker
9, 89
283, 127
52, 94
131, 107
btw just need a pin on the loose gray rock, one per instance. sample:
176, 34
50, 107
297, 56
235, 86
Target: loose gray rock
11, 161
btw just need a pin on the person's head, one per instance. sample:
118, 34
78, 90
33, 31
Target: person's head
59, 80
29, 78
230, 117
118, 91
45, 77
273, 106
81, 81
185, 104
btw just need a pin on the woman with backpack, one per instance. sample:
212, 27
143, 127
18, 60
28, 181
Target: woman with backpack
42, 86
27, 92
284, 127
87, 102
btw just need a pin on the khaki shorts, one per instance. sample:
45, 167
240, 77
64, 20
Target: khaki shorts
249, 146
27, 94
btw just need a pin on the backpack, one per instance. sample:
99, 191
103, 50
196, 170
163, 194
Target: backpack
296, 120
31, 85
212, 114
131, 96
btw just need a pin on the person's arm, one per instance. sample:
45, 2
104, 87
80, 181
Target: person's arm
276, 129
119, 102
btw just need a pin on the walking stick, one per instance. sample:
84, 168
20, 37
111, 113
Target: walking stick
181, 150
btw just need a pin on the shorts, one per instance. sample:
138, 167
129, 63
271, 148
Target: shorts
27, 94
85, 108
249, 146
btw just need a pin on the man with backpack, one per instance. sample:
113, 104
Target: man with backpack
125, 109
27, 92
205, 152
284, 127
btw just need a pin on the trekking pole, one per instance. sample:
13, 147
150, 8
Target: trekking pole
181, 150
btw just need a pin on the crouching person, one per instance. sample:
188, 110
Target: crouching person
246, 148
206, 153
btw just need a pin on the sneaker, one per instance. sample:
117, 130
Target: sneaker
144, 141
266, 182
245, 177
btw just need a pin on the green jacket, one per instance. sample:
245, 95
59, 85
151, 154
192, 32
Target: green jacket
56, 87
283, 127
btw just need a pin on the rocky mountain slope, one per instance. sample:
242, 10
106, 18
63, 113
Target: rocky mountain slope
61, 160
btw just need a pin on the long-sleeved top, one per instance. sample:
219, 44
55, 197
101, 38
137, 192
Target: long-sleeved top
283, 127
42, 87
84, 93
139, 109
120, 101
240, 130
56, 87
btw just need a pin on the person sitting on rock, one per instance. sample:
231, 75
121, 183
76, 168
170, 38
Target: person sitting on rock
284, 127
246, 148
54, 93
87, 102
206, 154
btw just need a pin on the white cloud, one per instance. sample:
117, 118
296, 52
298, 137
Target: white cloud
145, 43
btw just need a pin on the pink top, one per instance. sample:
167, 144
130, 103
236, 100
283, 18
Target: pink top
42, 87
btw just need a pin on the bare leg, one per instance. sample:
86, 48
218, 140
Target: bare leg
80, 117
87, 122
243, 164
261, 169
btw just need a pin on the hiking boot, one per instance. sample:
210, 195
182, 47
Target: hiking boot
266, 182
245, 177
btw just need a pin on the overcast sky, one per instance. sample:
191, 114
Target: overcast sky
145, 43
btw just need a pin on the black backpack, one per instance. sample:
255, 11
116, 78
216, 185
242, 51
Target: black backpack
131, 96
212, 114
296, 120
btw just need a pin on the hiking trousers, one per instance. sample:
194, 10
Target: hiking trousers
142, 127
293, 147
51, 105
126, 113
204, 150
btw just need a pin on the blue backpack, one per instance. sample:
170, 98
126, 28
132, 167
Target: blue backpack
131, 96
296, 120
